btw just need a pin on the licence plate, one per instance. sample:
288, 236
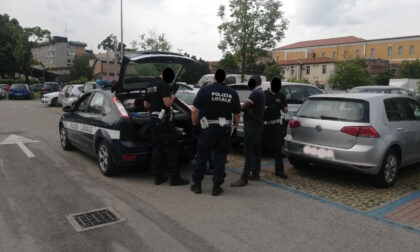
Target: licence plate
318, 152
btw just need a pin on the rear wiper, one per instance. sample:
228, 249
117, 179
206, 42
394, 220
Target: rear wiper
332, 118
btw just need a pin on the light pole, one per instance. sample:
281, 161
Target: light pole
122, 43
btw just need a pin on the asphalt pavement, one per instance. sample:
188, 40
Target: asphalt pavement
37, 193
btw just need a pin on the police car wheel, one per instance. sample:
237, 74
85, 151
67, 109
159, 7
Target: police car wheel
296, 163
54, 102
107, 167
65, 144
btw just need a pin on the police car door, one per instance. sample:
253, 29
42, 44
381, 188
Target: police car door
80, 120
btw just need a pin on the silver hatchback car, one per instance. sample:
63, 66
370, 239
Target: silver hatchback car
371, 133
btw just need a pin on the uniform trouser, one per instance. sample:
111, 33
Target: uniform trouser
216, 139
252, 151
164, 140
273, 137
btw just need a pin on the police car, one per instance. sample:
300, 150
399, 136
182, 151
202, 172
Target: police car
112, 125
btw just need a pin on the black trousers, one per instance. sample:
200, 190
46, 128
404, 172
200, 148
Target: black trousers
252, 151
216, 139
164, 142
273, 138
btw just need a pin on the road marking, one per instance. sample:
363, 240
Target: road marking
20, 141
2, 168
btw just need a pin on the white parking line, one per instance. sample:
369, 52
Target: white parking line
25, 149
2, 169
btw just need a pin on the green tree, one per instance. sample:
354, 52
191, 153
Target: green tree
349, 74
251, 28
383, 77
152, 42
410, 69
108, 43
81, 68
229, 63
273, 70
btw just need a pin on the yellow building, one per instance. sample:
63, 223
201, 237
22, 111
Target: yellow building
306, 55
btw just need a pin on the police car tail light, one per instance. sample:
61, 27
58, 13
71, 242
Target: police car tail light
120, 107
361, 131
129, 157
294, 124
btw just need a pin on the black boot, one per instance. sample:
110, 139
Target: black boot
217, 190
159, 179
196, 188
280, 174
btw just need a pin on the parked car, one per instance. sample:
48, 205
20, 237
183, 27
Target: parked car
20, 91
230, 79
50, 87
62, 93
381, 90
51, 99
72, 94
119, 135
187, 96
2, 93
370, 133
36, 87
5, 87
295, 93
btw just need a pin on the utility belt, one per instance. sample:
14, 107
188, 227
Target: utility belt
273, 122
222, 122
163, 115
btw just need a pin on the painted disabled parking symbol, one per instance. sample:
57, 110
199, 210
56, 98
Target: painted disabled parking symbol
20, 141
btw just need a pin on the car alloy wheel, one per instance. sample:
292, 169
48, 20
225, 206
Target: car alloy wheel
64, 139
103, 158
390, 168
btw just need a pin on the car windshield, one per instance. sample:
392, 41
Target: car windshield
335, 109
18, 86
188, 98
243, 95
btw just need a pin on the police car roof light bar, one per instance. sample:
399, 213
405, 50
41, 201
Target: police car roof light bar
120, 107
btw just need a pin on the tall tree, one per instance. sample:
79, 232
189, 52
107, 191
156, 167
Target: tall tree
81, 68
108, 43
153, 41
273, 70
252, 27
229, 63
349, 74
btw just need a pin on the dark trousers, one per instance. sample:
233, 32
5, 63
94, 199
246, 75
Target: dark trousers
164, 142
216, 139
272, 138
252, 151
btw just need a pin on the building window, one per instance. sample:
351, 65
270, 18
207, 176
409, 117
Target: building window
400, 50
411, 50
313, 55
324, 54
324, 69
345, 54
308, 69
389, 51
357, 53
372, 53
292, 70
334, 55
278, 57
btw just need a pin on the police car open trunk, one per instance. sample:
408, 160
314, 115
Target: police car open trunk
137, 71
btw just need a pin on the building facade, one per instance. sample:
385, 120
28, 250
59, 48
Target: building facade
58, 53
303, 59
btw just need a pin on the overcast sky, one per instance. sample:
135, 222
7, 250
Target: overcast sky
191, 25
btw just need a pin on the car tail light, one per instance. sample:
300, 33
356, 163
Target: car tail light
361, 131
59, 90
294, 124
43, 89
129, 157
120, 107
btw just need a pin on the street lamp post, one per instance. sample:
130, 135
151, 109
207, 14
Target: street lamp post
122, 43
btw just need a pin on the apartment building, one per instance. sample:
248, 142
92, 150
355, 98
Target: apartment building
59, 52
314, 60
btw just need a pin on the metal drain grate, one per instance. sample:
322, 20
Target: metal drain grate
94, 219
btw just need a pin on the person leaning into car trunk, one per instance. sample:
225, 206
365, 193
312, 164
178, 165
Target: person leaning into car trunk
158, 101
253, 109
273, 132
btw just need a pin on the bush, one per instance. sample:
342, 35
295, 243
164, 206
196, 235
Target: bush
14, 81
292, 79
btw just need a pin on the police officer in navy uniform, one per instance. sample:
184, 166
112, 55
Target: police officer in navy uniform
273, 133
158, 101
253, 109
221, 105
